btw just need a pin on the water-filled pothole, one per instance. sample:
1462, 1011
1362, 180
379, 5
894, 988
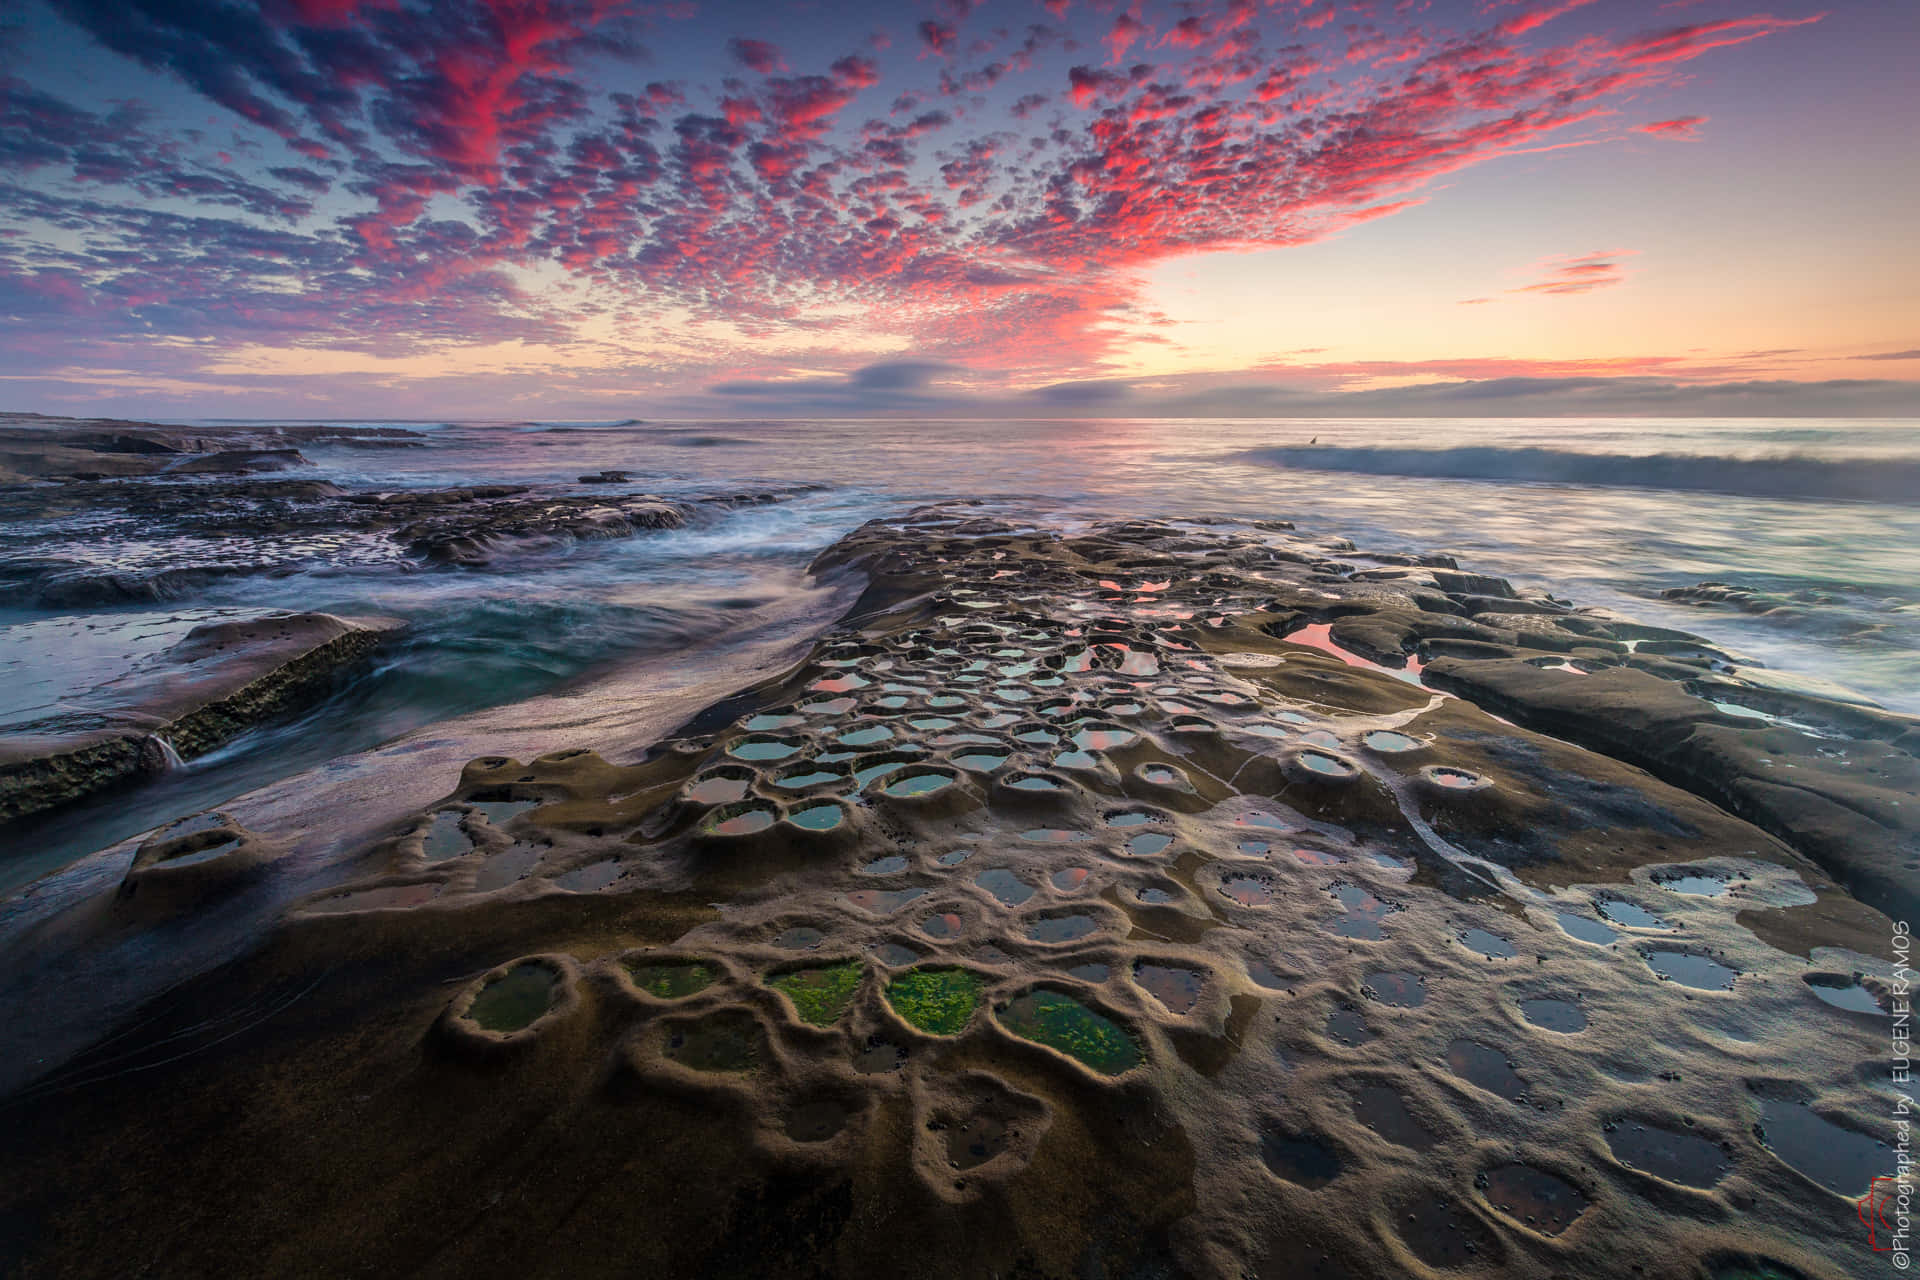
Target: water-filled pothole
802, 779
1844, 992
516, 999
824, 815
1325, 764
884, 902
820, 995
1676, 1156
1148, 843
1297, 1158
1132, 818
1398, 987
1389, 742
670, 979
1176, 988
923, 782
1490, 945
1701, 884
591, 878
1477, 1064
1385, 1112
1450, 779
1533, 1196
1444, 1234
1165, 775
1060, 1022
939, 1002
1552, 1014
1248, 889
943, 927
444, 838
1690, 970
1004, 885
1585, 929
749, 817
1104, 738
1061, 928
1630, 914
762, 748
719, 788
1842, 1160
1363, 914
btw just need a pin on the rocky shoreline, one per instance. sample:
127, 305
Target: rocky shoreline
1168, 898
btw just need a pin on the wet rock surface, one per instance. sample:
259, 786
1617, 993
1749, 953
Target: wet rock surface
219, 680
1134, 947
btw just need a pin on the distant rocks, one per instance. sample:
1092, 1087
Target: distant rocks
227, 528
38, 447
1750, 599
608, 477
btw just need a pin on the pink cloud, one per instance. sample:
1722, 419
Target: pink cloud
1680, 128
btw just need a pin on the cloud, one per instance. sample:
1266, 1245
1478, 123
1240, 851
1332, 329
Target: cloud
1914, 354
497, 170
1580, 274
756, 55
1680, 128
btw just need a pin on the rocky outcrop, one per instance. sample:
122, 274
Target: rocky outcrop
221, 680
42, 447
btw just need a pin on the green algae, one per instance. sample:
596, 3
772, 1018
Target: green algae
1057, 1020
939, 1002
820, 995
516, 999
671, 979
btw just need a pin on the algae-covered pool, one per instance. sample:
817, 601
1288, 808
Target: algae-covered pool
1057, 1020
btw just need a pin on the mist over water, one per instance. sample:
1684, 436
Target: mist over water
1603, 512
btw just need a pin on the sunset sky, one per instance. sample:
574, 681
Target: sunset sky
605, 208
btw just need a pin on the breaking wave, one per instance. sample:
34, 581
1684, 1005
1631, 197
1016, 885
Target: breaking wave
1889, 480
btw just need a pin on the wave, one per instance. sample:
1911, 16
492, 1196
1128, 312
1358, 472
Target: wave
1890, 480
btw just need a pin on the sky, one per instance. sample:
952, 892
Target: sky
602, 209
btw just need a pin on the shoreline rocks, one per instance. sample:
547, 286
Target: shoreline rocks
221, 680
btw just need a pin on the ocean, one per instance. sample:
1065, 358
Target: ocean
1819, 518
